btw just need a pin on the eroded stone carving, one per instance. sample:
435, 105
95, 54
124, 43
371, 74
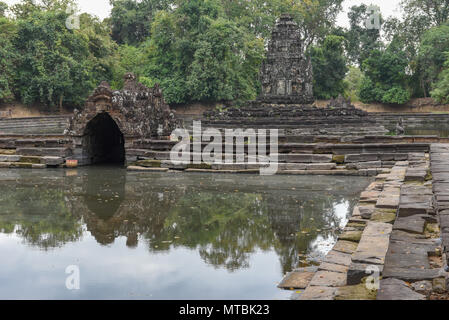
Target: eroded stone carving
286, 74
138, 111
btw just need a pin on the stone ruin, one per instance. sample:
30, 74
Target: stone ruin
286, 74
286, 101
114, 120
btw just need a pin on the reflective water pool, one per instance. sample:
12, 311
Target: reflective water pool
164, 236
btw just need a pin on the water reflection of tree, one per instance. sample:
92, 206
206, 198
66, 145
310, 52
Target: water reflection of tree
38, 215
224, 225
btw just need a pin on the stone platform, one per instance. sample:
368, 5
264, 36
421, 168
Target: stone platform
391, 248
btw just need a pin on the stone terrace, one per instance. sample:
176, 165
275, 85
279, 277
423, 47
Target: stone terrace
393, 235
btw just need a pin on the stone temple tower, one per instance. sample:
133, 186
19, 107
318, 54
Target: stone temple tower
286, 73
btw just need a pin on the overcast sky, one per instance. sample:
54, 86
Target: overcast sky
102, 8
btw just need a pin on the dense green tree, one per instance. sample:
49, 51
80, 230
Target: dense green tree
58, 65
385, 77
131, 20
353, 82
7, 59
196, 54
361, 41
3, 8
431, 56
315, 17
441, 88
329, 68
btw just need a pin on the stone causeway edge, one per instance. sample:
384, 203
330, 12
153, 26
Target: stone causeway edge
393, 236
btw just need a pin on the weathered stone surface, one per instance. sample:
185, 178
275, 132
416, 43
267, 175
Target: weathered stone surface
286, 74
356, 292
296, 280
7, 151
337, 257
318, 293
307, 158
422, 287
412, 224
292, 166
325, 266
328, 279
353, 236
359, 271
52, 161
393, 289
361, 158
411, 274
9, 158
439, 285
138, 168
391, 202
345, 246
149, 163
366, 211
38, 166
35, 160
382, 216
371, 250
410, 209
56, 152
137, 110
369, 196
321, 166
173, 165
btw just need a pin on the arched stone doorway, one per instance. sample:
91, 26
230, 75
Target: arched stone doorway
113, 124
103, 142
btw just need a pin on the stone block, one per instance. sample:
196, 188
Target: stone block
321, 166
328, 279
410, 209
391, 202
369, 165
359, 271
296, 280
340, 258
52, 161
394, 289
361, 158
318, 293
9, 158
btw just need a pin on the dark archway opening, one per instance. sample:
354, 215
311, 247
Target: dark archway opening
103, 142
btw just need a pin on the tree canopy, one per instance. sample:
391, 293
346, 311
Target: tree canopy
211, 50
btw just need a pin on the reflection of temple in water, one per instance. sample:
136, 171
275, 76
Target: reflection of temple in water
226, 227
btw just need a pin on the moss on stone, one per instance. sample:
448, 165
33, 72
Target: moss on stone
358, 292
386, 217
149, 163
8, 152
203, 166
353, 236
338, 159
356, 225
34, 160
21, 165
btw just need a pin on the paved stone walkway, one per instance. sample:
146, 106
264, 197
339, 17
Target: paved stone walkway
391, 248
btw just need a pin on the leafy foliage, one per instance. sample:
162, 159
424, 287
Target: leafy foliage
441, 88
385, 77
329, 68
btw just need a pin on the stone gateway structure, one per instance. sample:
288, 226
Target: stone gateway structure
112, 122
286, 74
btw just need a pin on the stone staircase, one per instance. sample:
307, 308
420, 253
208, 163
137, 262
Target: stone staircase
34, 125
